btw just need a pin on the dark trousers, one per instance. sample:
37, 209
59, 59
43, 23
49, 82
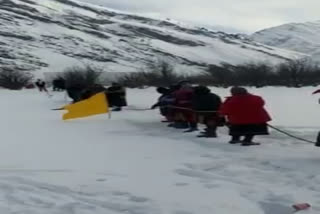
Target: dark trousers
42, 88
247, 138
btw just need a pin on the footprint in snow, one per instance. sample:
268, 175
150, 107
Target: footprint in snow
138, 199
181, 184
182, 212
101, 179
272, 208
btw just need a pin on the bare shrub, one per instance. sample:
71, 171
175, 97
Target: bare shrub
14, 79
81, 76
220, 76
78, 80
253, 74
160, 73
133, 80
295, 72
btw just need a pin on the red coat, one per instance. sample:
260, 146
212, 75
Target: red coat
245, 109
184, 97
184, 100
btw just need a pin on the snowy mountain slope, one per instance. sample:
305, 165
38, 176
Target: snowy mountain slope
301, 37
49, 35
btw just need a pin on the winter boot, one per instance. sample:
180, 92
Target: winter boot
250, 144
171, 125
193, 128
181, 125
247, 141
235, 140
210, 133
165, 121
116, 109
318, 140
207, 135
204, 131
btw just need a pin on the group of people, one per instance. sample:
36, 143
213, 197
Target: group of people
116, 94
185, 106
57, 85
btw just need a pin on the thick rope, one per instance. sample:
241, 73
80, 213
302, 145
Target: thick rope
188, 109
290, 135
272, 127
173, 107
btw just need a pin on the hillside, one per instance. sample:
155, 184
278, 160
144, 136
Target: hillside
50, 35
300, 37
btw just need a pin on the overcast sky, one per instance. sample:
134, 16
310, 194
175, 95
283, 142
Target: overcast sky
235, 15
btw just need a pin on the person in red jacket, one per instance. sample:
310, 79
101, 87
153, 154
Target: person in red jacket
246, 115
183, 104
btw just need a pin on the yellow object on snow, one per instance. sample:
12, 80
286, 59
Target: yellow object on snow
94, 105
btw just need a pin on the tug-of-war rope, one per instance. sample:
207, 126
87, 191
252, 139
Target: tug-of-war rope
192, 110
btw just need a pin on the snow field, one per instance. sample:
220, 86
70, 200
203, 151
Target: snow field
134, 164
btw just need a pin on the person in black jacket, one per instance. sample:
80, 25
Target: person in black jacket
91, 91
116, 96
41, 85
206, 105
74, 91
59, 84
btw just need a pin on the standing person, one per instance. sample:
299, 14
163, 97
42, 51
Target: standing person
116, 96
175, 116
90, 91
206, 105
59, 84
318, 137
74, 91
246, 115
183, 104
164, 102
41, 85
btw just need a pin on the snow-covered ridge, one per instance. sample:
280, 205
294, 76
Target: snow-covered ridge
50, 35
301, 37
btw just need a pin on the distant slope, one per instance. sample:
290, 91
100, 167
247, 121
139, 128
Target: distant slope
50, 35
301, 37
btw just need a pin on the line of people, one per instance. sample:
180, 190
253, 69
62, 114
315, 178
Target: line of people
184, 107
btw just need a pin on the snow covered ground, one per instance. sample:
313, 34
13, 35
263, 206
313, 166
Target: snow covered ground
133, 164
